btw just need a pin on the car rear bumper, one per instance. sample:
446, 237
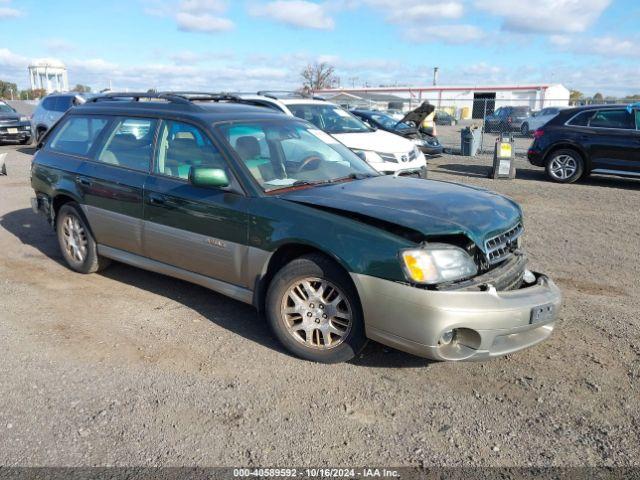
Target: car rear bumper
486, 324
535, 157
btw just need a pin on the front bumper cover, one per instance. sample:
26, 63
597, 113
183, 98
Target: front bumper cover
487, 323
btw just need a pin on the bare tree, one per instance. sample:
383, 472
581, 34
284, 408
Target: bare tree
317, 76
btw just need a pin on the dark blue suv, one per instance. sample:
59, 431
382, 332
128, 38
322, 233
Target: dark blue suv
602, 139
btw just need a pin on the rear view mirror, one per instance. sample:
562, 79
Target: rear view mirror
208, 177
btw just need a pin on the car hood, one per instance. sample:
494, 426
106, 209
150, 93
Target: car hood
377, 141
430, 207
4, 117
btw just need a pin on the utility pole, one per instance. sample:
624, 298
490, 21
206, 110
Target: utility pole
435, 75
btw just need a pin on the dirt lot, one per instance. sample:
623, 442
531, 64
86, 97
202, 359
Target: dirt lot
133, 368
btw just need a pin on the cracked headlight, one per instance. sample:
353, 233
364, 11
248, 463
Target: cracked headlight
437, 263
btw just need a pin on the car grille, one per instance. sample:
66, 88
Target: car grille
388, 157
501, 246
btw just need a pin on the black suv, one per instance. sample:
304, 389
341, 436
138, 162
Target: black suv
508, 119
601, 139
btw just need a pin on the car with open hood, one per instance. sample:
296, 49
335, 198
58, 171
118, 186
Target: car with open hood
272, 211
14, 127
428, 144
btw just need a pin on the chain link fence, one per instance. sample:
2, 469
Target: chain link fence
493, 119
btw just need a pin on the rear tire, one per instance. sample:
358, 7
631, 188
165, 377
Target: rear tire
76, 241
314, 310
564, 166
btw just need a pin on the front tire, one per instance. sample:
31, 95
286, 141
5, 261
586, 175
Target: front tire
76, 241
314, 310
565, 166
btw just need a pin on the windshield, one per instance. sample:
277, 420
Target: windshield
389, 122
4, 108
330, 118
281, 154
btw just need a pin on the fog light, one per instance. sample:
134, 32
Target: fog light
528, 277
447, 337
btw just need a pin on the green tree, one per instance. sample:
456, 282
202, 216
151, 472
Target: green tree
8, 90
598, 98
575, 96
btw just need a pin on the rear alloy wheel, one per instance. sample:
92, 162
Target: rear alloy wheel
77, 244
565, 166
314, 311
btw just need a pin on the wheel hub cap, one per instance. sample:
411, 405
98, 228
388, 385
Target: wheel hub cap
563, 167
74, 238
316, 313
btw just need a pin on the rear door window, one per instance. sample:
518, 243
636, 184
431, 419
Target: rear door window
582, 119
77, 134
620, 119
129, 144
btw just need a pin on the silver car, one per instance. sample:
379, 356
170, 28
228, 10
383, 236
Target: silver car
52, 107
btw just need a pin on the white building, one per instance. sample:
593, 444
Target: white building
466, 101
48, 74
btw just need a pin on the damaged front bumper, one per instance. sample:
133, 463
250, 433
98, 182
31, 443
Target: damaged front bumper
465, 324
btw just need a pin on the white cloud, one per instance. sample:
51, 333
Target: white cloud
8, 11
207, 23
203, 16
297, 13
545, 16
455, 34
408, 11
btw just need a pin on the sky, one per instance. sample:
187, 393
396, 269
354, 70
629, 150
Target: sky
247, 45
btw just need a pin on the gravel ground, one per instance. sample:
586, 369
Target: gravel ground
132, 368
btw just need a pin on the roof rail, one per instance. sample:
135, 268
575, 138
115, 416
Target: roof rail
206, 96
136, 96
182, 98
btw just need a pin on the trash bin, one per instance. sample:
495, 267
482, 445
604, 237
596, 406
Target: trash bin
470, 141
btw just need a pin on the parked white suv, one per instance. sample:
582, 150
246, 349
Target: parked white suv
386, 152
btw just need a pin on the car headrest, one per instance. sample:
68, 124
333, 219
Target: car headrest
247, 147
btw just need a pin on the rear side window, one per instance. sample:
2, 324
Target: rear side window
77, 134
582, 119
62, 103
48, 103
613, 119
129, 144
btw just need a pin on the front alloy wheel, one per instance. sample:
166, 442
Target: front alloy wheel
313, 309
316, 313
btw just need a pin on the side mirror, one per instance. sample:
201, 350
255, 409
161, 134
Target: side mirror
208, 177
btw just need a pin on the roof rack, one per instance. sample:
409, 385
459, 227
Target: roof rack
278, 94
182, 98
136, 96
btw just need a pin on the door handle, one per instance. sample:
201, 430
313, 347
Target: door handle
83, 181
157, 199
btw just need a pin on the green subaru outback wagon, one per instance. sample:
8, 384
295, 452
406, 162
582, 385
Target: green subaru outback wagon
271, 211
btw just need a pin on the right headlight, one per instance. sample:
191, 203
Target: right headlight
437, 263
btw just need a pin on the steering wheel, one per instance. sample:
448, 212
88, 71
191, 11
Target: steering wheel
309, 163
